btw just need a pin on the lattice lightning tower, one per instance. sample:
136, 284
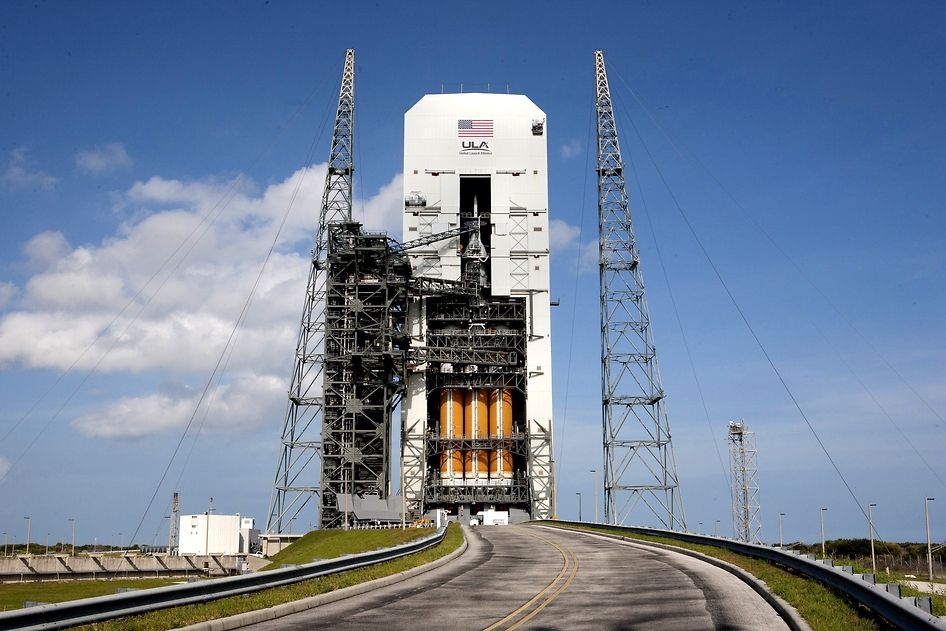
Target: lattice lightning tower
746, 510
639, 466
298, 470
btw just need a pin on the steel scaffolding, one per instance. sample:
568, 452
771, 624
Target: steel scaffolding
746, 509
295, 483
639, 466
365, 350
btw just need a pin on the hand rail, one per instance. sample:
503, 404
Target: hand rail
89, 610
876, 598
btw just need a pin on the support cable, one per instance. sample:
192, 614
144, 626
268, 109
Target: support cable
225, 354
187, 244
824, 296
571, 334
745, 320
676, 313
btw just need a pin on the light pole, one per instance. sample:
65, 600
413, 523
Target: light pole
4, 544
47, 545
595, 472
823, 553
699, 530
29, 526
716, 529
870, 526
780, 543
579, 506
929, 543
119, 541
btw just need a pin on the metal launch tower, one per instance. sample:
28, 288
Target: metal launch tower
639, 466
305, 428
746, 510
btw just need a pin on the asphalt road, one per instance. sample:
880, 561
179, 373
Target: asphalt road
528, 577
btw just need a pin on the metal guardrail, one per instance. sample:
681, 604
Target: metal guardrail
900, 612
88, 610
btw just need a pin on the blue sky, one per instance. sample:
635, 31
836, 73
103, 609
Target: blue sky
120, 127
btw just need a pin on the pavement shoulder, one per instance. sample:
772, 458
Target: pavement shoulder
271, 613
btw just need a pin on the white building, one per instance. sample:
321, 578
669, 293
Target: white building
217, 534
477, 425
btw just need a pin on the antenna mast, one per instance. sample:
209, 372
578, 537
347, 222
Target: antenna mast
639, 465
296, 481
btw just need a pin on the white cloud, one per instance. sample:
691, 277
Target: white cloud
570, 149
19, 175
562, 234
111, 157
247, 401
178, 325
7, 292
563, 242
45, 249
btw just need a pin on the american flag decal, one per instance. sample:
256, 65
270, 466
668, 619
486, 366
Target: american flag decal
474, 128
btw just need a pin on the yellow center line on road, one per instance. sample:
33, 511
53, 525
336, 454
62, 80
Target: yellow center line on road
555, 595
569, 560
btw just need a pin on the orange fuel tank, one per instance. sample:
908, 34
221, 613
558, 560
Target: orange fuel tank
500, 426
451, 426
475, 425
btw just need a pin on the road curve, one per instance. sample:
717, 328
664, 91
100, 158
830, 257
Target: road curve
527, 577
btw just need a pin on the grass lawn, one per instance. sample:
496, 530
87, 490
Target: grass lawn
12, 595
329, 544
181, 616
820, 606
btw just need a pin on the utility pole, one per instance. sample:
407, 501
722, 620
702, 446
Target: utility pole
823, 553
870, 527
174, 523
29, 526
72, 519
579, 506
639, 465
929, 542
595, 488
781, 544
300, 470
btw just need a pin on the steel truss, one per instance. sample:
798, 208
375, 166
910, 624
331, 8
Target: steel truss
295, 483
746, 509
639, 466
365, 347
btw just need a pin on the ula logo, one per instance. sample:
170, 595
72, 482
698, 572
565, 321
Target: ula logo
469, 147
